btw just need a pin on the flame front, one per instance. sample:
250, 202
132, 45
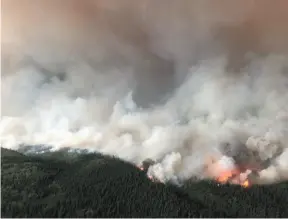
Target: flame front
224, 170
233, 177
224, 177
246, 183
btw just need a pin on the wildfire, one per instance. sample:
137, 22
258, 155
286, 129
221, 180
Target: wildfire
224, 177
246, 183
234, 177
220, 170
143, 169
224, 170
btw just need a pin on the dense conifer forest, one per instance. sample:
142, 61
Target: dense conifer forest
62, 184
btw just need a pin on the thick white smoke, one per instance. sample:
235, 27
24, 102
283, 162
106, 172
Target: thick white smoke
174, 81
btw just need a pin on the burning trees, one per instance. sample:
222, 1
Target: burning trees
224, 170
145, 167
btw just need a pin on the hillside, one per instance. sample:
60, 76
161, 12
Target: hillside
92, 185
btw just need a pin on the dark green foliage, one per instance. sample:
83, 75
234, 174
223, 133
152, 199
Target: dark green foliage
93, 185
236, 201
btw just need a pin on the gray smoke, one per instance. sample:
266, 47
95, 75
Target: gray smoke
173, 81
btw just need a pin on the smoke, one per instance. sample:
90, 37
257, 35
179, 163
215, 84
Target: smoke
174, 81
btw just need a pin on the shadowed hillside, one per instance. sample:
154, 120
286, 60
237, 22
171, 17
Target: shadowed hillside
91, 185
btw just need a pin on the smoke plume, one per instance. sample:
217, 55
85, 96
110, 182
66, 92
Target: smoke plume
173, 81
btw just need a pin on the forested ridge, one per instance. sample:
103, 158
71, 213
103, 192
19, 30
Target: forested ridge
60, 184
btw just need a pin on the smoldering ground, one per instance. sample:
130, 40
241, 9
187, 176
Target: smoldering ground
172, 81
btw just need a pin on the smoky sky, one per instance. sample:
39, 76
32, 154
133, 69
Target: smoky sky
159, 40
168, 80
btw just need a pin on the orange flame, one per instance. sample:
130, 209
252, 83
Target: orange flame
234, 178
246, 183
224, 177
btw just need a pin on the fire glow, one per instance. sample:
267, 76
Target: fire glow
224, 171
142, 169
234, 177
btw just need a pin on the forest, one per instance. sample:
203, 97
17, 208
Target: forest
62, 184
